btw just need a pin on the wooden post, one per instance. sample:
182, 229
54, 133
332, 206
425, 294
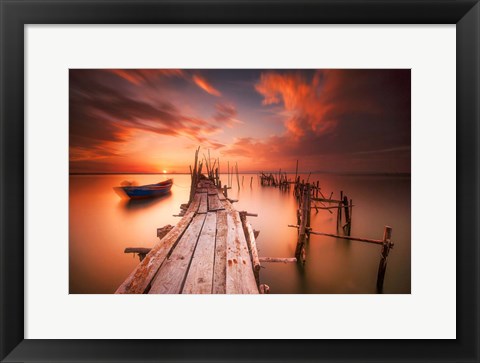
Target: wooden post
238, 180
300, 253
308, 205
382, 266
264, 289
347, 215
225, 193
351, 212
228, 173
243, 176
194, 177
252, 246
296, 171
251, 181
339, 210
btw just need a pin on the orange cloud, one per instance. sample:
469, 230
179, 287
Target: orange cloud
329, 113
303, 99
139, 76
225, 114
203, 84
103, 119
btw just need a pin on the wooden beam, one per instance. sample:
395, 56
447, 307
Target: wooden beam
140, 278
214, 203
200, 274
172, 273
220, 267
325, 200
203, 208
240, 278
250, 236
368, 240
139, 250
278, 259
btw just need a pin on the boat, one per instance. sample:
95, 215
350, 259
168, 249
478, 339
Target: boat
127, 190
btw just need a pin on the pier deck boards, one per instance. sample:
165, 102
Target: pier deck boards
205, 253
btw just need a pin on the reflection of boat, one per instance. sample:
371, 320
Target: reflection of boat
144, 191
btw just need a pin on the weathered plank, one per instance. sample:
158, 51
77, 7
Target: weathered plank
172, 273
212, 191
214, 203
250, 237
140, 278
240, 278
200, 274
142, 250
278, 259
219, 272
203, 208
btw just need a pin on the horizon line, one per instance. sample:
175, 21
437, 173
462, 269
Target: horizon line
248, 172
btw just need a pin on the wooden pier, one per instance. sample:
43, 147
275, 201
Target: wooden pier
211, 250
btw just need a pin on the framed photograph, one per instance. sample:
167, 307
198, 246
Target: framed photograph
240, 181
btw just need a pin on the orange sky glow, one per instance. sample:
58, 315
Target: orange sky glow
152, 120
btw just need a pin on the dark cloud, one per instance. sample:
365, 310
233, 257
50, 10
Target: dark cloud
336, 112
102, 116
225, 114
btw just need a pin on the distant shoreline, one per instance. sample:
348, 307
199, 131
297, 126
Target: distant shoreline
266, 172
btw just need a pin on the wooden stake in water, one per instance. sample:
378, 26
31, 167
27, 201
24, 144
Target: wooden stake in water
238, 180
382, 266
296, 171
228, 173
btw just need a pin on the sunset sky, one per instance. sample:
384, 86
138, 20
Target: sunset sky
151, 120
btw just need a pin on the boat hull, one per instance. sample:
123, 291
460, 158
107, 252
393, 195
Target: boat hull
145, 191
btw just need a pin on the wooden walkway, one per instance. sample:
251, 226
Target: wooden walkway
207, 252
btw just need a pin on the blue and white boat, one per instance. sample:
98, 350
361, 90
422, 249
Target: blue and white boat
144, 191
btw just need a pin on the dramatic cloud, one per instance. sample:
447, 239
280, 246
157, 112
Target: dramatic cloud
139, 76
103, 117
225, 114
334, 112
205, 85
148, 119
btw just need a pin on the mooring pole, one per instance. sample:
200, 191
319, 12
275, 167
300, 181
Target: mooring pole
387, 245
347, 215
339, 210
300, 253
308, 208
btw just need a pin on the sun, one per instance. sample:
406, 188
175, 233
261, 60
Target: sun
164, 171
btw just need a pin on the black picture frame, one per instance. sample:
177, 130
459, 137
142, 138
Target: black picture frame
15, 14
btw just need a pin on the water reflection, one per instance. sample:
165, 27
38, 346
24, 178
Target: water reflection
102, 226
136, 204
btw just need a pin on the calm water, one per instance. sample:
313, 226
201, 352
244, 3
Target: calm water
102, 225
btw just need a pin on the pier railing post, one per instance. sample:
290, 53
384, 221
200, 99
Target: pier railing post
387, 245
